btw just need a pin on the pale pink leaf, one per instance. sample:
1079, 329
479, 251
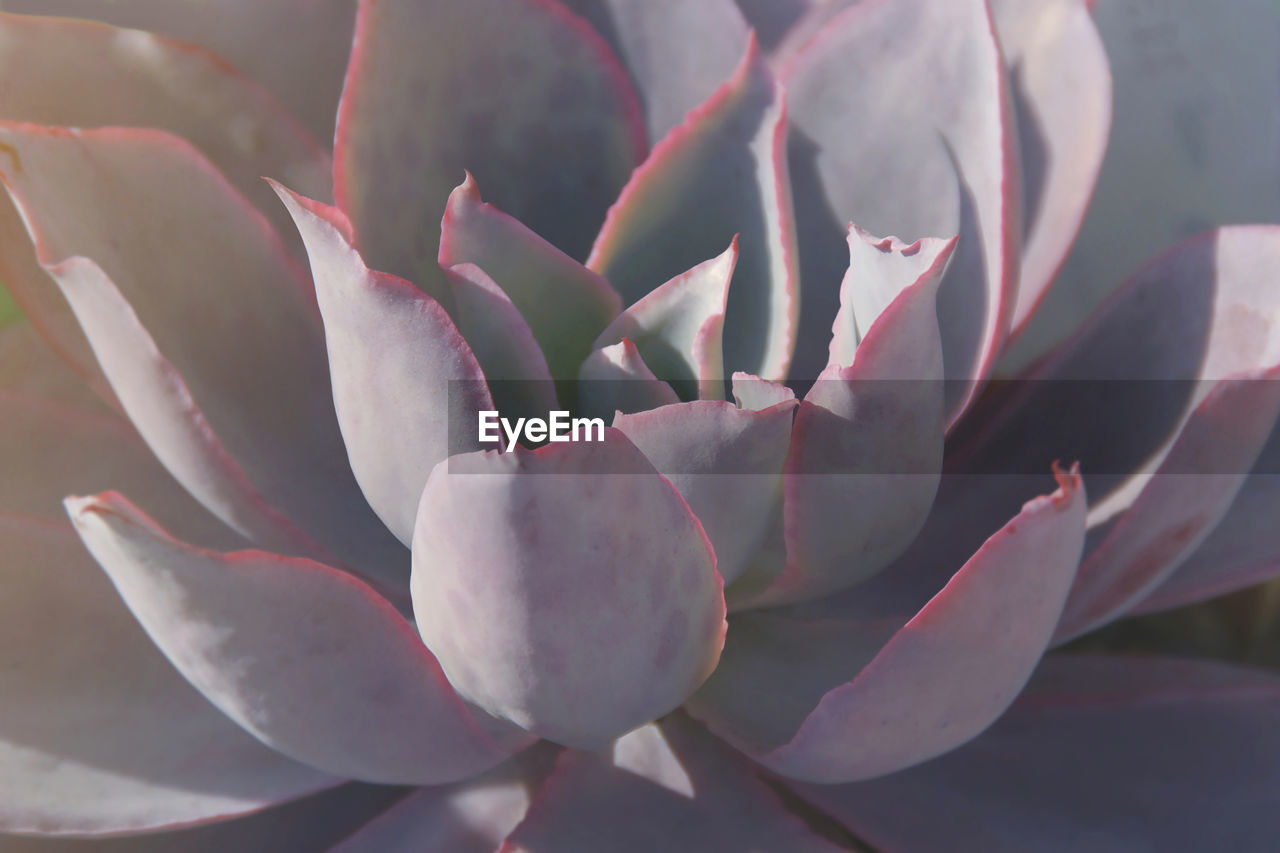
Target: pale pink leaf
307, 658
567, 589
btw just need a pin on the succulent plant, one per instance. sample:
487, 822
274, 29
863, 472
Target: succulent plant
806, 589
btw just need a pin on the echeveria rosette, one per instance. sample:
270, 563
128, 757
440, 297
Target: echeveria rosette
764, 612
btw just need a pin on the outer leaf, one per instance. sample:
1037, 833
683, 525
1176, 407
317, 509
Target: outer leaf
48, 450
1201, 311
903, 124
676, 52
87, 74
1185, 150
1240, 551
938, 681
162, 408
594, 582
1061, 88
392, 353
565, 304
265, 637
726, 463
678, 327
56, 438
720, 173
237, 406
1100, 754
1195, 314
82, 74
309, 823
665, 787
866, 448
98, 734
406, 133
297, 50
1180, 505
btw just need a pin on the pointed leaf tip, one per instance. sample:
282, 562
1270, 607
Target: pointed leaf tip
1139, 752
916, 684
404, 135
393, 352
678, 327
102, 736
564, 304
616, 379
721, 171
941, 161
509, 356
880, 269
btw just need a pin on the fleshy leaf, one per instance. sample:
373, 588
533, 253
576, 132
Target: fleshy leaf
392, 353
594, 583
1099, 754
1240, 551
676, 52
405, 134
1115, 396
866, 448
880, 268
468, 817
902, 123
508, 355
312, 822
1179, 505
1061, 88
307, 658
662, 787
827, 703
1184, 152
1200, 311
236, 406
720, 173
678, 327
726, 463
84, 74
161, 406
48, 450
98, 733
57, 437
297, 50
752, 392
565, 304
808, 22
616, 379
